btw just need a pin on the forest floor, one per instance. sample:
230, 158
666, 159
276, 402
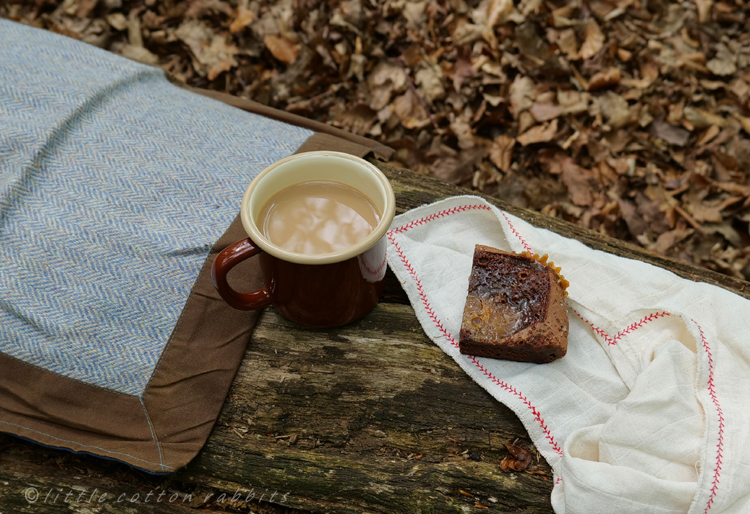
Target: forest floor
624, 116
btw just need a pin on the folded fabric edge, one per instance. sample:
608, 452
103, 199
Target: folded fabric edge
435, 328
712, 449
60, 412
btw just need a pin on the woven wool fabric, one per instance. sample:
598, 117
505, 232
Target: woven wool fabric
114, 184
647, 411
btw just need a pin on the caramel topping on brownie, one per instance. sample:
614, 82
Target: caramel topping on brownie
515, 308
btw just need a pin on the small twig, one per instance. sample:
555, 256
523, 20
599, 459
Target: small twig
239, 80
322, 95
310, 101
416, 93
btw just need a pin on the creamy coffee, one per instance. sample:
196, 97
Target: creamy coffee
317, 217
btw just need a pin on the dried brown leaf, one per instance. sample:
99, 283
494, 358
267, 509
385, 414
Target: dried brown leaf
220, 56
568, 43
552, 161
409, 110
615, 109
624, 55
670, 133
518, 459
414, 13
521, 95
745, 122
676, 112
497, 12
740, 88
734, 188
532, 46
528, 7
708, 135
593, 42
608, 77
704, 10
211, 52
648, 67
501, 152
281, 48
731, 234
635, 222
85, 7
466, 33
545, 111
724, 63
578, 181
199, 8
140, 54
539, 134
573, 102
357, 65
463, 68
385, 79
525, 122
700, 210
353, 12
668, 239
356, 119
456, 169
153, 21
700, 118
117, 21
429, 78
704, 213
243, 18
462, 129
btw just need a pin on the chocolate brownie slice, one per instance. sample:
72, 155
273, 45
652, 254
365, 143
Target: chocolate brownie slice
515, 308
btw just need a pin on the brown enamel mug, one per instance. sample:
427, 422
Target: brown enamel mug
317, 290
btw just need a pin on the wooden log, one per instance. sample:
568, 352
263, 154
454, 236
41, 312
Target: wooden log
371, 417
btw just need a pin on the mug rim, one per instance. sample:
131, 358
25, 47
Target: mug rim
257, 237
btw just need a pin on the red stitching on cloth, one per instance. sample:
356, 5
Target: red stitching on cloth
711, 386
377, 270
720, 416
420, 289
515, 232
439, 214
537, 415
610, 340
431, 314
625, 331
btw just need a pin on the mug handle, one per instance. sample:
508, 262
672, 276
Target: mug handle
228, 258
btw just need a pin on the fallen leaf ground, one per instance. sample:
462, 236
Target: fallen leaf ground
627, 117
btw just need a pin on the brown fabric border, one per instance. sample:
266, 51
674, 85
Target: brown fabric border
165, 428
62, 412
188, 388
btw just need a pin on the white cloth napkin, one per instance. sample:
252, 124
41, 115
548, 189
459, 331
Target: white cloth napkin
648, 411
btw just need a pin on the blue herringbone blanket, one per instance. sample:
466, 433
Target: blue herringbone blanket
114, 184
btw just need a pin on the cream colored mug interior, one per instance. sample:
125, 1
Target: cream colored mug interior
322, 165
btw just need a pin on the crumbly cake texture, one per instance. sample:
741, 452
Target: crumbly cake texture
515, 308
